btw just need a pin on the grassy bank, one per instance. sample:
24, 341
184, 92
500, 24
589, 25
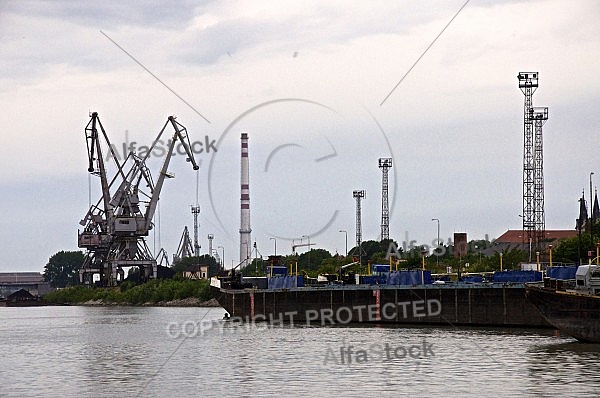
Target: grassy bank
153, 291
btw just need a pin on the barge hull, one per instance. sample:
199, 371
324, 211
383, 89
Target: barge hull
574, 314
476, 305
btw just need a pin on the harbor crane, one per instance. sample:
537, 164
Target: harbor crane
300, 245
115, 227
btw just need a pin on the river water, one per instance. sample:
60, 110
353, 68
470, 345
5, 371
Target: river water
166, 352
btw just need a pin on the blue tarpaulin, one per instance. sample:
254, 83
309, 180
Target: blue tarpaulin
472, 279
277, 270
381, 268
517, 276
407, 278
285, 282
563, 272
372, 280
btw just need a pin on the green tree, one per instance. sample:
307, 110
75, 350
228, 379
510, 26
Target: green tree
570, 250
63, 268
312, 259
375, 251
182, 265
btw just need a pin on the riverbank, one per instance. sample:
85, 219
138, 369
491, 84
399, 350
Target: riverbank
187, 302
162, 293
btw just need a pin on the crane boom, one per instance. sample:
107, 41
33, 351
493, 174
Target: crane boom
163, 171
95, 154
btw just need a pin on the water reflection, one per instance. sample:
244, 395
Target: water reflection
112, 351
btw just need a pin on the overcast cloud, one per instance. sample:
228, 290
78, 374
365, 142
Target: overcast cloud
453, 127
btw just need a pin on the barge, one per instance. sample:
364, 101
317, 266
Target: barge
574, 310
451, 304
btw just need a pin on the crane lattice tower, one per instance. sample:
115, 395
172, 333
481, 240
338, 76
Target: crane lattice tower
385, 164
528, 83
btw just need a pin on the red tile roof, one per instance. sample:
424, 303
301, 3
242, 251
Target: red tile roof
515, 236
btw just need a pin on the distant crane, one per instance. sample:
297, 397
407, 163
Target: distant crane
115, 227
301, 245
185, 248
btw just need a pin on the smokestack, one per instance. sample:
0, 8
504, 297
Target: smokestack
245, 248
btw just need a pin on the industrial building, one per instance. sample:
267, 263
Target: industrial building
33, 282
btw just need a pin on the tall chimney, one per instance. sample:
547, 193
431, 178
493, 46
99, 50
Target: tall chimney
245, 248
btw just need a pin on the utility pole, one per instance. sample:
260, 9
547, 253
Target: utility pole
591, 210
437, 258
346, 233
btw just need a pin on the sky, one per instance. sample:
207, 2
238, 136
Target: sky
311, 82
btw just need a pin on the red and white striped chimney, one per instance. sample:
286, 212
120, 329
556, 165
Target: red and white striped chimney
245, 230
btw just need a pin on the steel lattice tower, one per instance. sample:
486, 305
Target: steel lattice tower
195, 212
528, 83
385, 164
539, 116
210, 247
358, 195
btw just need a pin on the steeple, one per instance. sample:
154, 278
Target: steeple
583, 214
596, 211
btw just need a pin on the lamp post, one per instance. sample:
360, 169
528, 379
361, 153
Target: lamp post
423, 252
500, 261
437, 257
308, 240
550, 247
591, 209
345, 232
523, 237
275, 240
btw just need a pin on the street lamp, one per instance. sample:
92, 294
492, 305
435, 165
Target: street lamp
437, 257
591, 208
275, 240
308, 239
345, 232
